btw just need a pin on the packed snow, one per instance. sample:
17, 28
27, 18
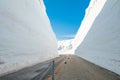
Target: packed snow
92, 11
26, 36
101, 45
65, 47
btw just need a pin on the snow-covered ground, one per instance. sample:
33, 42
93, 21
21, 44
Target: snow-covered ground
101, 45
65, 47
26, 36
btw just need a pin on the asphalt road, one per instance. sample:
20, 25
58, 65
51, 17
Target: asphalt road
36, 72
77, 68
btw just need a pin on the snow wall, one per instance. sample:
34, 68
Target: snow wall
26, 36
65, 47
101, 45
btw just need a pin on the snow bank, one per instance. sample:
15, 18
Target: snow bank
92, 11
101, 44
26, 37
65, 47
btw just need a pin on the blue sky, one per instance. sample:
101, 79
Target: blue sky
66, 16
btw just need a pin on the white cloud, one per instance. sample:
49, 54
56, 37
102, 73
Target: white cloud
69, 36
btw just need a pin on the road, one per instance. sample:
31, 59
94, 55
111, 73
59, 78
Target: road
77, 68
36, 72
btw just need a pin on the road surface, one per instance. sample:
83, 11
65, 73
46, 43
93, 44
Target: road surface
77, 68
36, 72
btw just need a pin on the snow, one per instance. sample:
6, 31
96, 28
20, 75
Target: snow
26, 36
101, 44
65, 47
92, 11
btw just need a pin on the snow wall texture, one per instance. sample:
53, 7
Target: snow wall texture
101, 45
26, 36
65, 47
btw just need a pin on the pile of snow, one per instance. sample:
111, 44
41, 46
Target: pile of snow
65, 47
26, 36
101, 44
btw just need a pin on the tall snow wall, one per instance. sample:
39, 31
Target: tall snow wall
101, 45
26, 36
65, 47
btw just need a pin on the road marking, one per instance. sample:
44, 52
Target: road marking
57, 70
49, 77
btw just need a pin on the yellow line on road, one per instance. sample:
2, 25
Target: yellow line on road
56, 70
